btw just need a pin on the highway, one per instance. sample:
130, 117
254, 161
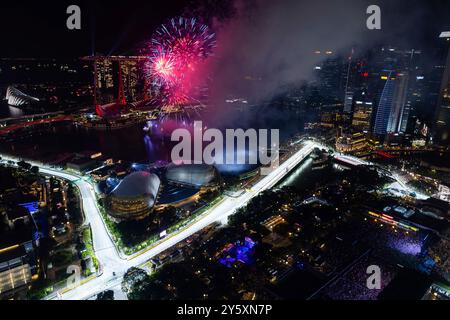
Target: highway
105, 250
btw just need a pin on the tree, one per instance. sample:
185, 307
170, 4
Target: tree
133, 280
106, 295
150, 290
73, 204
24, 165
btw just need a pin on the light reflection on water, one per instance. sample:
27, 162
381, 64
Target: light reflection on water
133, 143
7, 111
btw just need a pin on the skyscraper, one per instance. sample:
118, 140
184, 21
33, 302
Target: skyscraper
117, 79
405, 117
384, 105
348, 94
442, 123
130, 79
348, 102
392, 116
416, 98
330, 78
398, 103
104, 80
362, 115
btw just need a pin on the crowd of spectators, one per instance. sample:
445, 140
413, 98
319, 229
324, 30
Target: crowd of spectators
352, 284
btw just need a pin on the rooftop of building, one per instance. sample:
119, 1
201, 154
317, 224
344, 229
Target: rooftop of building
137, 184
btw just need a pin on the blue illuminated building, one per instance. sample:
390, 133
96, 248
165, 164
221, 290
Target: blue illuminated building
32, 207
239, 252
384, 107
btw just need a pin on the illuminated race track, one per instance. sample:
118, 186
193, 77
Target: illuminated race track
399, 183
104, 247
113, 265
105, 250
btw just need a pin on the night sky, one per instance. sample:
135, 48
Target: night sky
38, 28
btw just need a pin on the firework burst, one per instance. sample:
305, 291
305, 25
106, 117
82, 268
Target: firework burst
176, 50
161, 68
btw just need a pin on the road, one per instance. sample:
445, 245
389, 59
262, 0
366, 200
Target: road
399, 183
105, 250
104, 247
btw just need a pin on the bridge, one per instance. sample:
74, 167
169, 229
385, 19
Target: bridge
30, 123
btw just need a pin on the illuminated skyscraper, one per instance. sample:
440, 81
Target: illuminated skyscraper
104, 80
117, 79
362, 114
415, 90
348, 92
391, 106
130, 79
348, 102
442, 123
384, 105
398, 103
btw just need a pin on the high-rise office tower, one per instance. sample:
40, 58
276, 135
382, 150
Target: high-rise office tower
416, 90
442, 122
348, 93
362, 114
398, 103
384, 105
391, 115
330, 78
348, 102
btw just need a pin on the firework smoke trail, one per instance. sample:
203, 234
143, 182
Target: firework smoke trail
176, 49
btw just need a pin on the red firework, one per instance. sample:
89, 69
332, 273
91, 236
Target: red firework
176, 50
